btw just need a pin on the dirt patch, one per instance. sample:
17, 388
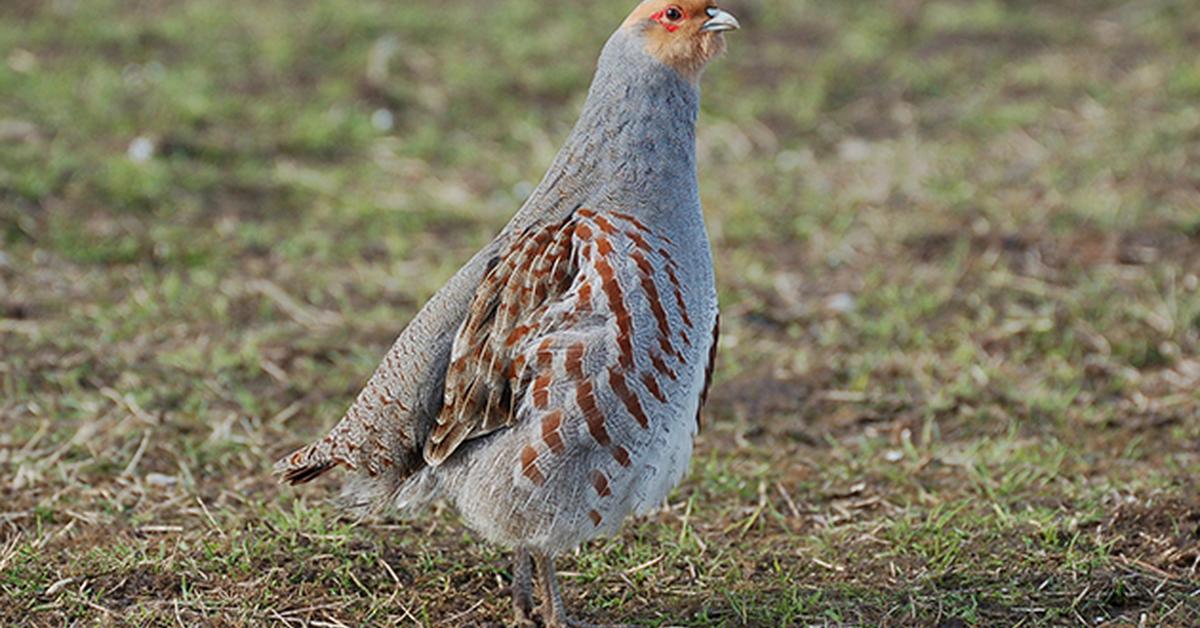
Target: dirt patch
1083, 247
1159, 535
121, 590
16, 310
760, 394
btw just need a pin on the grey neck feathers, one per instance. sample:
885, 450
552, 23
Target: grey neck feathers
634, 147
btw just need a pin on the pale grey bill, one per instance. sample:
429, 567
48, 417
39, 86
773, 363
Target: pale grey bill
721, 21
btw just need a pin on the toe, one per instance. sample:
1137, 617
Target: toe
523, 614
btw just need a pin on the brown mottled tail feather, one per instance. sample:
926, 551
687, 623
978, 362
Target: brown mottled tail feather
304, 465
307, 473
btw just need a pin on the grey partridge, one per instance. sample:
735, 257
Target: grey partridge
554, 385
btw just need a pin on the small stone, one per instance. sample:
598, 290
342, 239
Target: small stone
158, 479
22, 61
17, 131
841, 303
382, 120
141, 149
854, 150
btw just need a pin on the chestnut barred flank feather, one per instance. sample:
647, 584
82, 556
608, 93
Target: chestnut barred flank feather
551, 338
554, 385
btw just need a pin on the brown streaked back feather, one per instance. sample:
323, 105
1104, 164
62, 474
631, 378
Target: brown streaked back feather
558, 279
507, 309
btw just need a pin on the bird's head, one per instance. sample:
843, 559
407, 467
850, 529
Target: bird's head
683, 34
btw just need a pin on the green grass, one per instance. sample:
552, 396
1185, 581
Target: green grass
958, 249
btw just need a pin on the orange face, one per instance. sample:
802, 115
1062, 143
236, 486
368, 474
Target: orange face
684, 34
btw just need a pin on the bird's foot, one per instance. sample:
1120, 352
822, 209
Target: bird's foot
523, 617
523, 611
522, 591
557, 618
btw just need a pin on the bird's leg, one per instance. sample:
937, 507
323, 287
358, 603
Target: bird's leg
554, 612
522, 589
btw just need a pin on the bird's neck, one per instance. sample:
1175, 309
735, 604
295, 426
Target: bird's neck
634, 147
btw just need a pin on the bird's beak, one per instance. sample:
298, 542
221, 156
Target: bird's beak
721, 21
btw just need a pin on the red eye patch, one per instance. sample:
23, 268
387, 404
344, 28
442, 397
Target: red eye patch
670, 18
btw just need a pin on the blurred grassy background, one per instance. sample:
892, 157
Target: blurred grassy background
958, 247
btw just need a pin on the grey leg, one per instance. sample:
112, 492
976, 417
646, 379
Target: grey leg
522, 589
554, 612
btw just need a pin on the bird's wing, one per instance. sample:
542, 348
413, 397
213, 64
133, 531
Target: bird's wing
550, 336
533, 272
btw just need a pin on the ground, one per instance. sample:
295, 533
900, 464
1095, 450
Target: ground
958, 248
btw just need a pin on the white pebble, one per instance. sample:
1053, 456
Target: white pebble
854, 150
158, 479
141, 149
382, 119
841, 303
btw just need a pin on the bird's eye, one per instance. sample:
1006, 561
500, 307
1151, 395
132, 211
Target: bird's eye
674, 13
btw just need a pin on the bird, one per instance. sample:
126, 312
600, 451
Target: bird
553, 386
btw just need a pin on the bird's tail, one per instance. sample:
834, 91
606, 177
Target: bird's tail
365, 493
306, 464
380, 469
